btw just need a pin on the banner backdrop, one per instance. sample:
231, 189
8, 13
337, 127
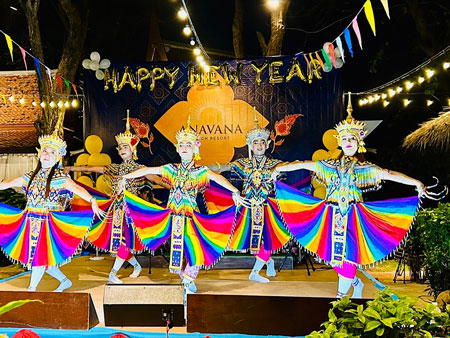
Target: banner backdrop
297, 103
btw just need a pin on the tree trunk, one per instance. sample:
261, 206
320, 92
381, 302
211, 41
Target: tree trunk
277, 23
238, 28
75, 20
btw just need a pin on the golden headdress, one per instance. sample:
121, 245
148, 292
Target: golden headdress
128, 138
189, 135
353, 127
257, 132
54, 141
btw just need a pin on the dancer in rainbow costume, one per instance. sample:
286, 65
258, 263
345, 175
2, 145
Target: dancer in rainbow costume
196, 240
259, 227
44, 236
114, 234
343, 230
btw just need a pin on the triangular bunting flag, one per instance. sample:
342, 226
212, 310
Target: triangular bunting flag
327, 60
369, 15
386, 7
341, 49
320, 61
67, 83
348, 40
306, 59
10, 47
23, 57
357, 32
331, 52
59, 82
49, 73
36, 61
4, 98
75, 89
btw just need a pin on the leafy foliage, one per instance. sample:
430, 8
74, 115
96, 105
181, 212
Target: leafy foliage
431, 240
13, 198
384, 317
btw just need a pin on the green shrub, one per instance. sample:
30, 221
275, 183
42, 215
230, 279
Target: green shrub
384, 317
429, 244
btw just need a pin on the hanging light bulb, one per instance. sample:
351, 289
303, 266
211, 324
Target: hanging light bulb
206, 68
34, 104
182, 15
391, 92
273, 4
370, 99
409, 85
383, 96
385, 103
429, 102
399, 89
42, 104
66, 104
429, 73
377, 97
187, 30
192, 41
420, 79
11, 98
446, 65
199, 58
361, 102
74, 103
52, 104
406, 102
196, 51
60, 104
22, 101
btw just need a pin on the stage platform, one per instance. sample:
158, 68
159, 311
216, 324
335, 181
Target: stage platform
91, 276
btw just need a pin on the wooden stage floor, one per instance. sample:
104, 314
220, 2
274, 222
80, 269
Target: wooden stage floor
91, 276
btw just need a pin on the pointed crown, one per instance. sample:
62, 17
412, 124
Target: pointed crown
127, 137
352, 126
187, 134
53, 140
257, 132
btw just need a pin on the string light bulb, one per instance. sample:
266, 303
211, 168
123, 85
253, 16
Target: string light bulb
383, 96
206, 68
377, 97
199, 58
399, 89
60, 104
446, 65
273, 4
192, 41
429, 102
22, 101
42, 104
409, 85
391, 92
34, 104
196, 51
66, 104
52, 104
406, 102
182, 15
420, 79
74, 103
385, 103
187, 30
371, 99
429, 73
11, 98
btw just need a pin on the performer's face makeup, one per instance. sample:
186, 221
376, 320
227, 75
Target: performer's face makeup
185, 150
259, 147
48, 158
349, 144
124, 151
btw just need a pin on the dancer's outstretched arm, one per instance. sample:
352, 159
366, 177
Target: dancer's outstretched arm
84, 194
144, 172
297, 165
99, 170
11, 183
220, 167
398, 177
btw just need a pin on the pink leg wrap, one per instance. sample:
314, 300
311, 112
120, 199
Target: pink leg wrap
124, 253
263, 255
347, 270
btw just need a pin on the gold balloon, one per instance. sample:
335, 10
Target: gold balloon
103, 184
315, 67
320, 155
336, 153
127, 77
171, 75
142, 74
157, 74
95, 160
316, 183
93, 144
86, 181
193, 76
274, 72
295, 70
320, 192
111, 78
82, 159
329, 140
230, 74
105, 159
259, 69
211, 79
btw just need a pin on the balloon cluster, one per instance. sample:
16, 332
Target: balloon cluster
94, 158
96, 65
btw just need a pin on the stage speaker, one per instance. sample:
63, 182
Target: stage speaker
257, 315
143, 304
58, 310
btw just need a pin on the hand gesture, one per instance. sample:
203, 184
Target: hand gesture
96, 209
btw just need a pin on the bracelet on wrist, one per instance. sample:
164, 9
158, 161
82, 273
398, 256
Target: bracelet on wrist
218, 165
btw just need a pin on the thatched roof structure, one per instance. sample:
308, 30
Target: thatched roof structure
434, 133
